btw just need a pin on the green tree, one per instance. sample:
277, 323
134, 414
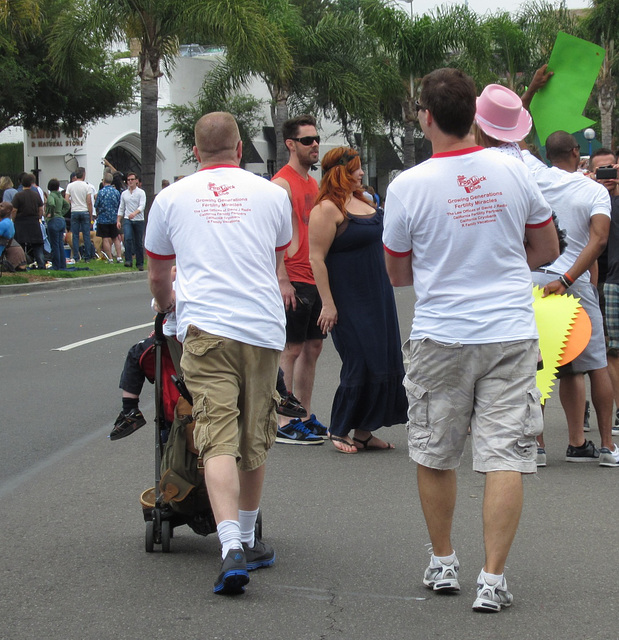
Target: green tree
157, 26
522, 42
247, 111
602, 26
32, 97
417, 45
337, 70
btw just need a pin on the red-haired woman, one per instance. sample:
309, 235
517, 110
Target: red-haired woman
358, 306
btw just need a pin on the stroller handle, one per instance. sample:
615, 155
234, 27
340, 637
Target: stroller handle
159, 318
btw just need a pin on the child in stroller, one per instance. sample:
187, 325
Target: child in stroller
139, 365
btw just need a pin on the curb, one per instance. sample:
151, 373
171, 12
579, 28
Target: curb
71, 283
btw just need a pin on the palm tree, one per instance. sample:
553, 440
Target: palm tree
602, 26
521, 43
158, 26
338, 71
451, 36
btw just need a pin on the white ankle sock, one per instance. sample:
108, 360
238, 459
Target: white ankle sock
229, 533
444, 559
492, 578
247, 521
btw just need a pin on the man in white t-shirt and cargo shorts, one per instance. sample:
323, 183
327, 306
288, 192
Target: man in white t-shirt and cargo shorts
227, 230
469, 224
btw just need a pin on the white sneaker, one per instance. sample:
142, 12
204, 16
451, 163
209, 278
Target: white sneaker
608, 457
442, 577
492, 597
541, 457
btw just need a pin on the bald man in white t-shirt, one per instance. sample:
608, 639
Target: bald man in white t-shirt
227, 230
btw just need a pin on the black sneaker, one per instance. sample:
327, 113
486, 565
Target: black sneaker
260, 555
126, 424
316, 427
233, 575
587, 453
291, 407
295, 432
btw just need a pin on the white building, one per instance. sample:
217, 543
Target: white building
55, 155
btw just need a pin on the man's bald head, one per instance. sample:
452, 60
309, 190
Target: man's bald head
217, 138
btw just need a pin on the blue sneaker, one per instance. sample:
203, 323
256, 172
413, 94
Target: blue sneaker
295, 432
233, 575
316, 427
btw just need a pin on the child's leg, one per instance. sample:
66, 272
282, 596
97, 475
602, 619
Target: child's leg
132, 379
281, 385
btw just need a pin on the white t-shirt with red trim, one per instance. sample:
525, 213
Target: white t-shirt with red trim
575, 199
223, 225
462, 216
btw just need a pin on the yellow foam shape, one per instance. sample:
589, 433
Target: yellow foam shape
554, 316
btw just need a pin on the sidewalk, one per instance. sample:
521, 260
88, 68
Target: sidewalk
71, 283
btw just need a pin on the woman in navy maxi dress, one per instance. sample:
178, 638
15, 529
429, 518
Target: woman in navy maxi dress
346, 253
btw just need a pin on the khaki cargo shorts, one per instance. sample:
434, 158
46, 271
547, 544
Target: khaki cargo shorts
234, 396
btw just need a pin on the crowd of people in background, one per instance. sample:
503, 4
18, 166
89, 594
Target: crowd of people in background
58, 228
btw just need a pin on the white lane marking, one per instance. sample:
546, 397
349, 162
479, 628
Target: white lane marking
103, 337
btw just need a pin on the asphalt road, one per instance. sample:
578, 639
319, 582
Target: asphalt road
348, 530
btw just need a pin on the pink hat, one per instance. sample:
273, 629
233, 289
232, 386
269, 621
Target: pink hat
500, 114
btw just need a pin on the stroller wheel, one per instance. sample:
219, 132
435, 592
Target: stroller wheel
166, 534
149, 538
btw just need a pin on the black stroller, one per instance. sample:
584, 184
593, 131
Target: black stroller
179, 496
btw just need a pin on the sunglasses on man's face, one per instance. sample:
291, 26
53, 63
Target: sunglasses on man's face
307, 141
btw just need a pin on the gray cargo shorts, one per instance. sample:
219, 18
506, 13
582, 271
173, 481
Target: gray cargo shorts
489, 387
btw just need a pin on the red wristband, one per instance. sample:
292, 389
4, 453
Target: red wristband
568, 277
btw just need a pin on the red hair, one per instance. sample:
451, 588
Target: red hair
337, 184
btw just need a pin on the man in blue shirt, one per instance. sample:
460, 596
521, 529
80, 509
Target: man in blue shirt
107, 203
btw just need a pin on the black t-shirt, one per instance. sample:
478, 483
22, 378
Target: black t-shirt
612, 249
27, 203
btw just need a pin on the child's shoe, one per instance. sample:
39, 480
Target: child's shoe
126, 424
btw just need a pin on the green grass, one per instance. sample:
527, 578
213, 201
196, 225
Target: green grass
95, 268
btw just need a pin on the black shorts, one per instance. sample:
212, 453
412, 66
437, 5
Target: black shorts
302, 322
107, 231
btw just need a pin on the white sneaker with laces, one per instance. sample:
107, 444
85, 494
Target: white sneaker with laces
492, 597
608, 457
442, 577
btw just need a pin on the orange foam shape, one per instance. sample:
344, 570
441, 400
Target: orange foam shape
578, 337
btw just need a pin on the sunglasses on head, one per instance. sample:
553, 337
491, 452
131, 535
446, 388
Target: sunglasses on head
307, 141
419, 107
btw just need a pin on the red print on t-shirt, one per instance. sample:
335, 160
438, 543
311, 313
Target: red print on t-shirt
470, 184
219, 190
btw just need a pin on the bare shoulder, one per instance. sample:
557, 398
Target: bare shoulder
284, 184
325, 211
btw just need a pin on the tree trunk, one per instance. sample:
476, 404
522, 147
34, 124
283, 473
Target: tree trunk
279, 114
607, 92
408, 145
149, 129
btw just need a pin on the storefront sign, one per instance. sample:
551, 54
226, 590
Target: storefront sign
54, 143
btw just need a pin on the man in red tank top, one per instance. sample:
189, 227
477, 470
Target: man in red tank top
296, 282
